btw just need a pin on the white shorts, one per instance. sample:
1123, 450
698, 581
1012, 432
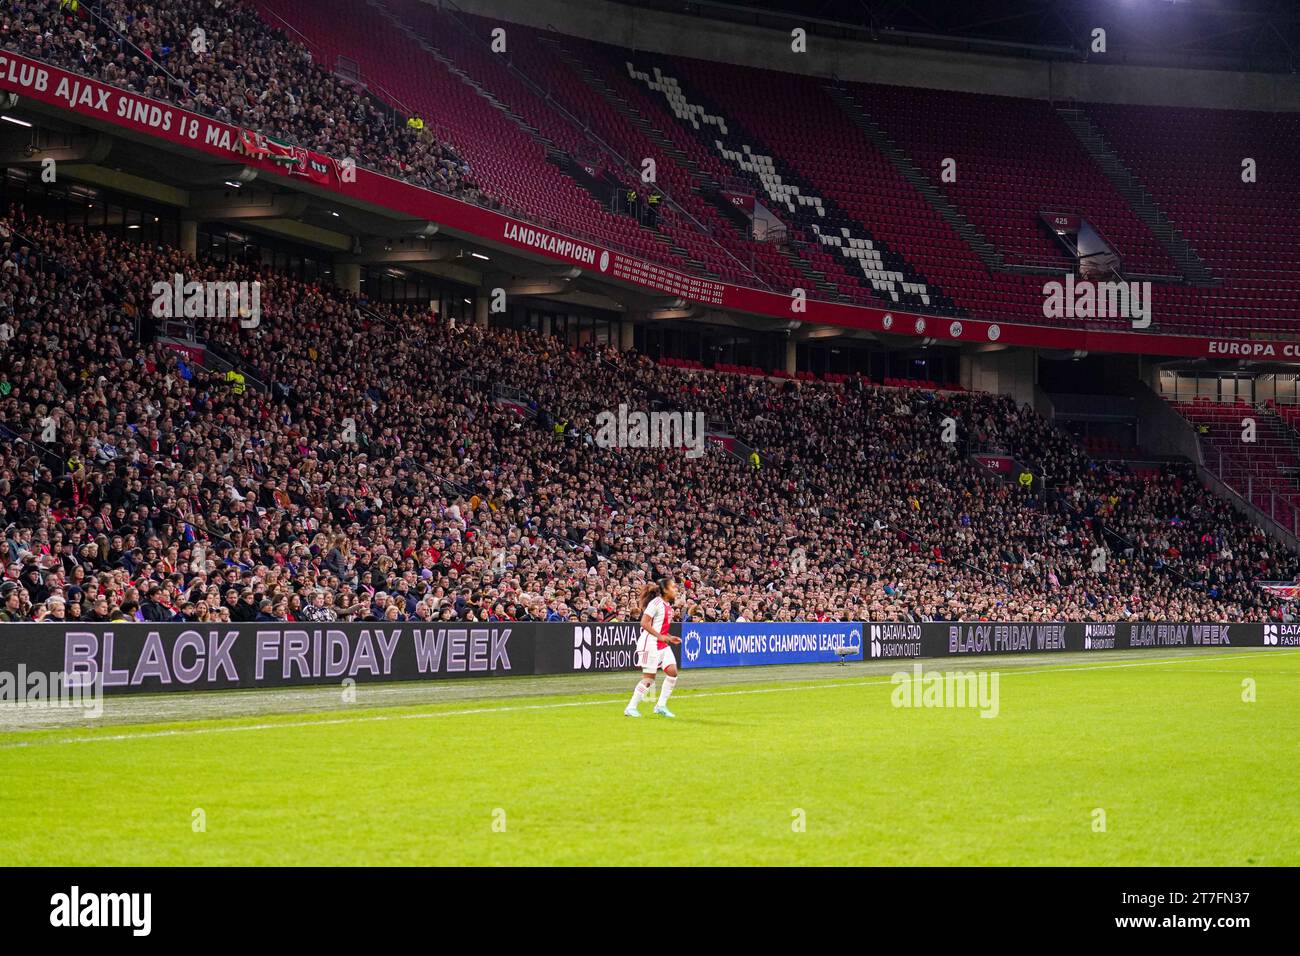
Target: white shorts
651, 658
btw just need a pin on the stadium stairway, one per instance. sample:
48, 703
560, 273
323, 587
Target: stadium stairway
693, 188
872, 263
1289, 415
852, 107
378, 6
1266, 472
779, 262
628, 111
703, 183
821, 281
1189, 263
558, 154
543, 86
1244, 227
511, 165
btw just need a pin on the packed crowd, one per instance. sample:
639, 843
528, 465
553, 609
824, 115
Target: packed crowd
929, 536
218, 57
378, 477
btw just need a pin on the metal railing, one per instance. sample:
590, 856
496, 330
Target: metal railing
89, 8
223, 361
1279, 509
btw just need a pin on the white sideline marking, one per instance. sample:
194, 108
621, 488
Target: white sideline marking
1243, 673
515, 708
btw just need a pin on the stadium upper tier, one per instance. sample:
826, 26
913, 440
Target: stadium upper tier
852, 174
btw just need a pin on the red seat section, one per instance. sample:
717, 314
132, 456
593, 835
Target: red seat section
1012, 159
1266, 470
1247, 232
856, 228
505, 159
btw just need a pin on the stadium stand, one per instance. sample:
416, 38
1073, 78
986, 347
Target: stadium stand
248, 74
1245, 230
514, 141
1052, 172
168, 491
855, 227
1263, 470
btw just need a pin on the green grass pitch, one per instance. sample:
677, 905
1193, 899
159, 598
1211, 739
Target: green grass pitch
790, 765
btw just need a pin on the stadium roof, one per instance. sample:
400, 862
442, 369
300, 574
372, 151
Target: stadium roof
1257, 35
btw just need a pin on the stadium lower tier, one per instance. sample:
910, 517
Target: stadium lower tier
358, 463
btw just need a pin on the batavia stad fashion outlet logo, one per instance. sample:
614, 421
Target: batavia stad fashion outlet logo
895, 640
604, 647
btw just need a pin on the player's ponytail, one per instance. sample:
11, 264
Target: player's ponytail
649, 593
652, 591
